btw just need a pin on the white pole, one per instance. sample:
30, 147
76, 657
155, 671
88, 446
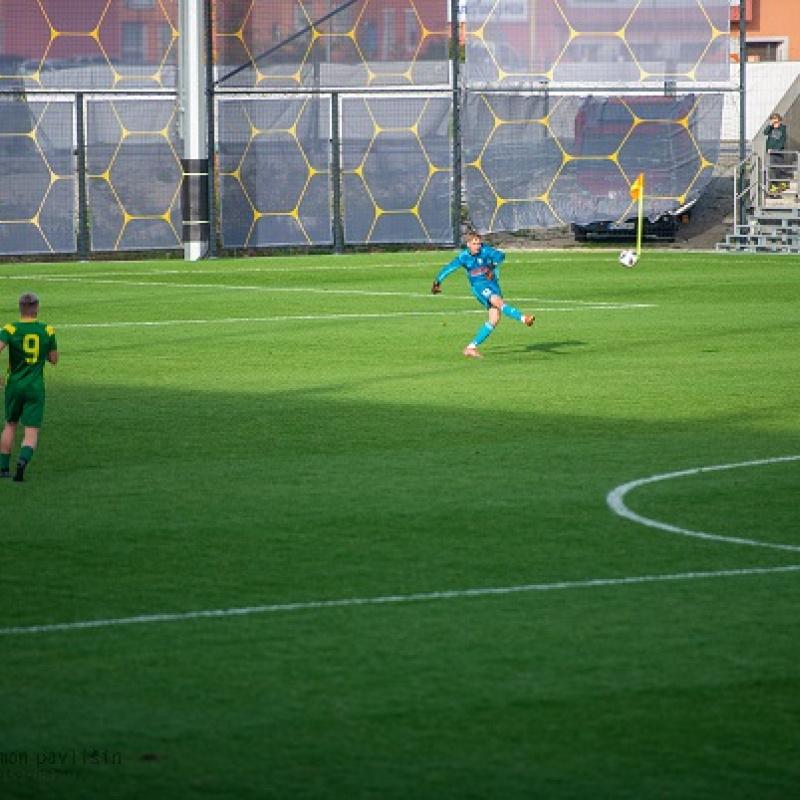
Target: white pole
192, 98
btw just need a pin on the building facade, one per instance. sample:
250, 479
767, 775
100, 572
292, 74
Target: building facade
772, 30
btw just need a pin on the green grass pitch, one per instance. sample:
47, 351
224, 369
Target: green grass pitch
282, 540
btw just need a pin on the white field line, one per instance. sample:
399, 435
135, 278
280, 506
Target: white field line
591, 304
407, 262
248, 320
549, 305
288, 318
616, 502
147, 619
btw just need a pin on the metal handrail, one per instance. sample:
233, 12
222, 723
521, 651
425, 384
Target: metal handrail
747, 192
780, 167
754, 177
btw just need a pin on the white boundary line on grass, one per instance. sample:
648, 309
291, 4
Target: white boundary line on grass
616, 503
614, 500
571, 304
113, 278
145, 619
301, 317
549, 305
275, 266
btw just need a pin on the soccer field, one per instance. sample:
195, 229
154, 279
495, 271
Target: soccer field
282, 540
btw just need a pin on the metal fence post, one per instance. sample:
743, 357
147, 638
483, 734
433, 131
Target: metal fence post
455, 54
336, 177
83, 233
211, 135
742, 105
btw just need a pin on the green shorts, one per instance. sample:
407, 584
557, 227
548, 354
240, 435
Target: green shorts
25, 406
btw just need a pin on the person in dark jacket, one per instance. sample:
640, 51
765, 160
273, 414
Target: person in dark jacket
776, 144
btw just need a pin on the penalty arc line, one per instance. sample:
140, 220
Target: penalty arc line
616, 502
145, 619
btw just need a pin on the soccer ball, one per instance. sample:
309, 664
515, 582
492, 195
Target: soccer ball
628, 258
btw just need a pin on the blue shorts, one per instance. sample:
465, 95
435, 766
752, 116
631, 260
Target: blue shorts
483, 291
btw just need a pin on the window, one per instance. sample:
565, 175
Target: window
387, 36
165, 42
767, 50
412, 31
342, 20
300, 19
133, 43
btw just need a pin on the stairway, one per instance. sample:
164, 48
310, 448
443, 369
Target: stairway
772, 227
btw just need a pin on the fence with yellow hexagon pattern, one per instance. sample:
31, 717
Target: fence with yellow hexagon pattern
353, 122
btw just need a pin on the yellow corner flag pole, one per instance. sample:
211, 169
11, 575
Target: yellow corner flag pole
637, 193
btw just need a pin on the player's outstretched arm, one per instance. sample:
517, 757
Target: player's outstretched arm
443, 273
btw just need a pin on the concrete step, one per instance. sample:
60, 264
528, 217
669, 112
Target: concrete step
770, 228
771, 212
731, 247
764, 238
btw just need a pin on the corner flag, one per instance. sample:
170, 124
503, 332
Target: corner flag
637, 187
637, 193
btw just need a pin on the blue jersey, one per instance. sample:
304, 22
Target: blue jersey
481, 268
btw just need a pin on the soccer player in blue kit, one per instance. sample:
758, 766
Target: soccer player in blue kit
482, 265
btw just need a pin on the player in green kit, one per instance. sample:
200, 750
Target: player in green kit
30, 345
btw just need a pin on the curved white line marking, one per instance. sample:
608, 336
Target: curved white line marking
616, 503
614, 500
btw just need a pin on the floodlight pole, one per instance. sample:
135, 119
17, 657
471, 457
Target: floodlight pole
741, 200
193, 129
455, 65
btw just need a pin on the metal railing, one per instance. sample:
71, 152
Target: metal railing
748, 190
760, 178
780, 172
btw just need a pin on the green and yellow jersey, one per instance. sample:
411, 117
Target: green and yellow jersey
29, 342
